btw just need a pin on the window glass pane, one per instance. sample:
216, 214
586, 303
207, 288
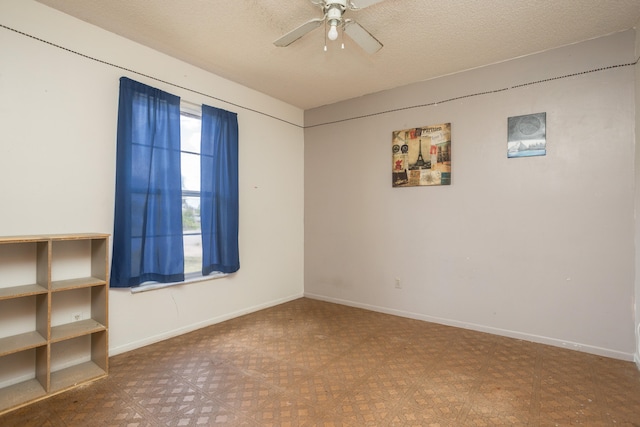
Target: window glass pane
190, 169
190, 147
190, 133
190, 166
191, 214
192, 234
192, 253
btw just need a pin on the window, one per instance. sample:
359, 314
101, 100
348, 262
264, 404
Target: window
176, 211
190, 126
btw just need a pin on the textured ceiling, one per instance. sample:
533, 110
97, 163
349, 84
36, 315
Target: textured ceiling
422, 39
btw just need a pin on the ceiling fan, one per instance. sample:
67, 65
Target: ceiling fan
333, 16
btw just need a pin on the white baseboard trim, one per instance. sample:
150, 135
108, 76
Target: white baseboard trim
195, 326
481, 328
636, 356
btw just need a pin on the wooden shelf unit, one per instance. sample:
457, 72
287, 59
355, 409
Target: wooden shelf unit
28, 265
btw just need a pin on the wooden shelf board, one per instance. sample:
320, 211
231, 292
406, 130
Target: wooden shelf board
75, 375
81, 282
24, 239
77, 236
22, 291
51, 237
75, 329
17, 394
21, 342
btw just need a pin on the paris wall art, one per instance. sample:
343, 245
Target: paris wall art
422, 156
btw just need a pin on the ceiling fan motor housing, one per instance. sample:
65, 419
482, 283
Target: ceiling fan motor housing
335, 8
334, 15
342, 4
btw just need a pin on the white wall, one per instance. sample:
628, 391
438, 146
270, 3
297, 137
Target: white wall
537, 248
57, 164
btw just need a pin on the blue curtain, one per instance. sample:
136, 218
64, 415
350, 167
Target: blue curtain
219, 191
147, 236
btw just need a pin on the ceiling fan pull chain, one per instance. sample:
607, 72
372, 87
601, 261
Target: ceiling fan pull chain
325, 34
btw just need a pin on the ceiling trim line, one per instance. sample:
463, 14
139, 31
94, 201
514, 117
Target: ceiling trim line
457, 98
120, 67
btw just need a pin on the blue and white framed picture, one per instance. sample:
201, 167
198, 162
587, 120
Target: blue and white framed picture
527, 135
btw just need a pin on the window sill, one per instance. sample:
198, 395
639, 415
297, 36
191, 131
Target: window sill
192, 278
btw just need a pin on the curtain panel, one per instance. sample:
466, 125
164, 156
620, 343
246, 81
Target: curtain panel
147, 237
219, 191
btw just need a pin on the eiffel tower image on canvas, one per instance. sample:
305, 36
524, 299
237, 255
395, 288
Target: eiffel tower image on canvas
420, 163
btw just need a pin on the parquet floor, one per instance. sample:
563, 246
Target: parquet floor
312, 363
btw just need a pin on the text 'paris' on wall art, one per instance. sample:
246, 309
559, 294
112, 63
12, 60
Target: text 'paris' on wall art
422, 156
527, 135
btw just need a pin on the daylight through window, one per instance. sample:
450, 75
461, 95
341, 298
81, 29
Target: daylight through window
190, 126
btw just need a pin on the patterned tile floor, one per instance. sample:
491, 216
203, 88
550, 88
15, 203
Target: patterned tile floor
312, 363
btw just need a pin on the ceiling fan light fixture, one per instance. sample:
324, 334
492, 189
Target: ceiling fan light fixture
333, 31
334, 17
333, 11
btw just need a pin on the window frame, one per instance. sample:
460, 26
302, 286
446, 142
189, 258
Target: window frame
192, 112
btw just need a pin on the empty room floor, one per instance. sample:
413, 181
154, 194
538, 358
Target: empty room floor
313, 363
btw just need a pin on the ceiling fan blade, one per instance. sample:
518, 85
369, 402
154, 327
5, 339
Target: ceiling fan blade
361, 4
361, 36
294, 35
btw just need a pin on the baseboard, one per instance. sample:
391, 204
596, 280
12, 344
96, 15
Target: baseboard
195, 326
481, 328
636, 356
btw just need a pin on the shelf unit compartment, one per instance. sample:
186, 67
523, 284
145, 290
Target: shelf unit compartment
70, 259
77, 312
24, 323
78, 360
24, 267
21, 377
78, 261
16, 395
